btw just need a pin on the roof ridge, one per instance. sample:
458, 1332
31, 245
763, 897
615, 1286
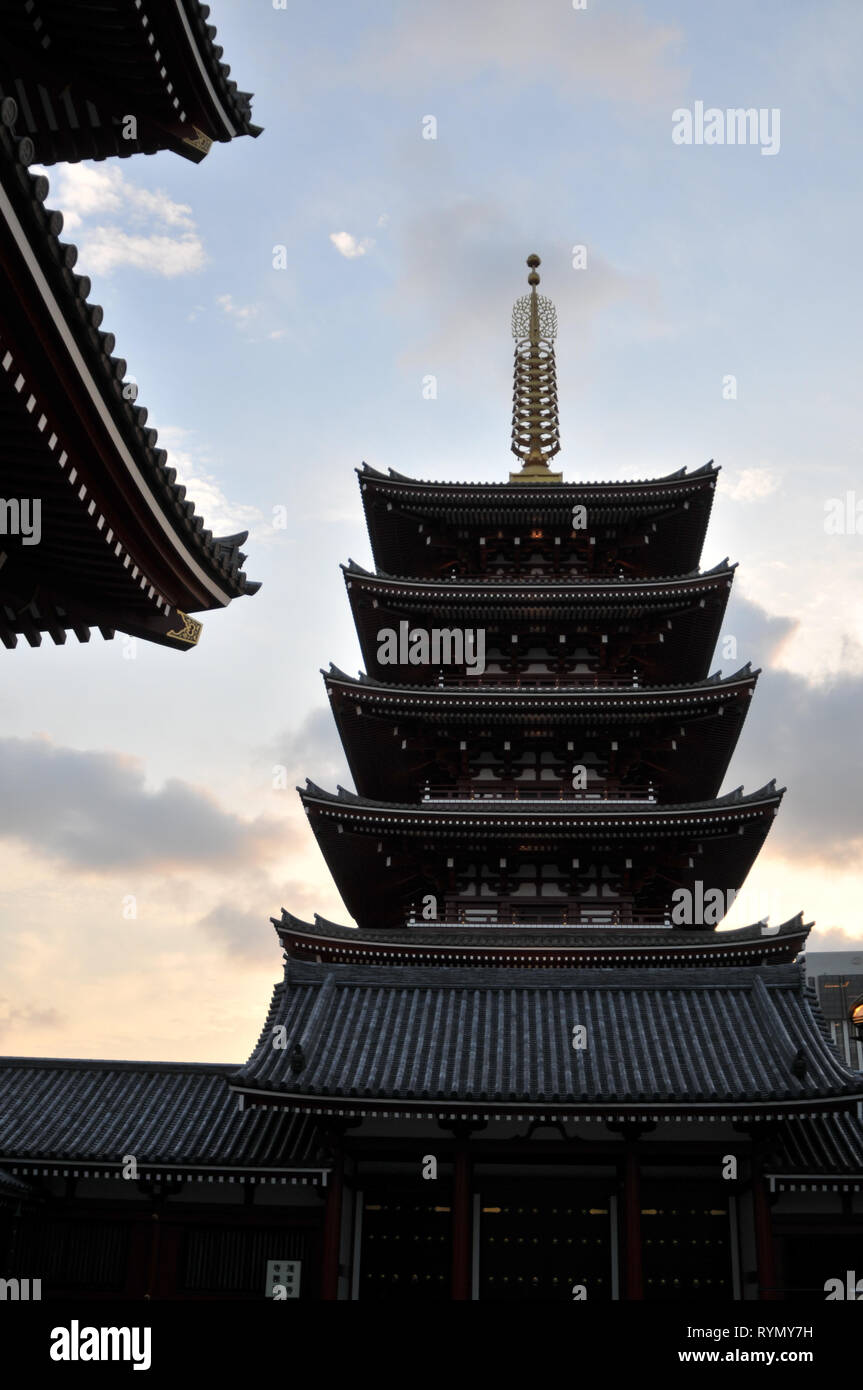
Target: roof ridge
109, 1064
402, 935
562, 581
560, 808
537, 692
367, 472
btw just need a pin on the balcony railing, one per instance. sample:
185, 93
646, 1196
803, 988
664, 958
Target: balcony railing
547, 680
539, 912
537, 791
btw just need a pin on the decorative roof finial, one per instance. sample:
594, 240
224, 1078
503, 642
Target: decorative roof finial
535, 432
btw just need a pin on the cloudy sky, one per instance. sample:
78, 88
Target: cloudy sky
143, 846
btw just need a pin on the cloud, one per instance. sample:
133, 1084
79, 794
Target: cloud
93, 811
84, 191
149, 216
312, 750
247, 317
761, 637
751, 485
349, 246
222, 516
25, 1016
620, 55
240, 313
832, 939
807, 736
248, 936
477, 242
105, 248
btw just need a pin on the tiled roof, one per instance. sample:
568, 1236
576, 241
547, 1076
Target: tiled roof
715, 684
734, 1040
75, 67
239, 103
493, 938
505, 491
830, 1145
490, 585
663, 519
165, 1113
56, 259
635, 813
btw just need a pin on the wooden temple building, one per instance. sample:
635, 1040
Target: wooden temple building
95, 530
533, 1070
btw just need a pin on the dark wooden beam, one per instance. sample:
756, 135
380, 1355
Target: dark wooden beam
333, 1231
461, 1224
764, 1246
633, 1272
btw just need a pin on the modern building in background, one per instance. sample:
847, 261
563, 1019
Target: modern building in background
533, 1071
838, 980
95, 530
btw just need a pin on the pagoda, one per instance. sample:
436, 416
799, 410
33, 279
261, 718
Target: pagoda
534, 1053
557, 760
533, 1070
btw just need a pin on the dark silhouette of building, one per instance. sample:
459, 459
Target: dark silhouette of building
95, 530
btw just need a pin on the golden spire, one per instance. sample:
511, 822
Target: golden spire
535, 432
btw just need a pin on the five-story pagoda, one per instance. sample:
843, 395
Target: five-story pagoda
533, 1055
537, 740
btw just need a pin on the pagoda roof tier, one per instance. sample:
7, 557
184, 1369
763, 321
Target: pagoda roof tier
178, 1118
368, 712
383, 855
691, 607
78, 71
121, 546
425, 1041
605, 587
412, 524
570, 947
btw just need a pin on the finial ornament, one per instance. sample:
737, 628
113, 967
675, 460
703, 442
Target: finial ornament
535, 431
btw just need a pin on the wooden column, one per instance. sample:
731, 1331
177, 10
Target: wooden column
167, 1272
333, 1231
461, 1224
138, 1259
153, 1260
764, 1249
633, 1283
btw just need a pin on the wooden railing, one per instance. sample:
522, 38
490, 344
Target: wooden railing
597, 680
538, 912
536, 791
